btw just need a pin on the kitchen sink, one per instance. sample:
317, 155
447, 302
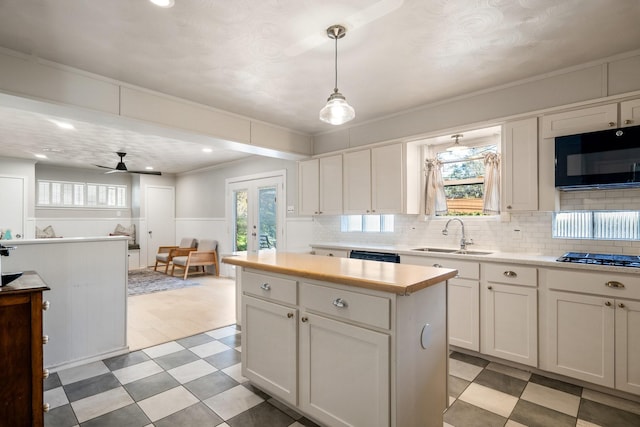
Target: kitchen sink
452, 251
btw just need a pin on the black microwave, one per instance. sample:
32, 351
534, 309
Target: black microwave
604, 159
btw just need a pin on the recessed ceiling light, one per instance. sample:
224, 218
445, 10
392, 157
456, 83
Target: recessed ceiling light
41, 156
149, 168
163, 3
207, 150
62, 125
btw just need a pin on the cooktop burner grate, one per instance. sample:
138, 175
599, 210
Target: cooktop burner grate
601, 259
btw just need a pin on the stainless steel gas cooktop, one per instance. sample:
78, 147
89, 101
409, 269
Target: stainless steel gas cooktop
601, 259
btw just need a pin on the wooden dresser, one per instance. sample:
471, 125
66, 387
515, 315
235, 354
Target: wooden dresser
21, 341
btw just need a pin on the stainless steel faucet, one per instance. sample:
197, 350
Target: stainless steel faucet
463, 241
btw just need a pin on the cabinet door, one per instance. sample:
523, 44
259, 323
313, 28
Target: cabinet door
510, 323
269, 349
579, 121
309, 187
463, 303
628, 346
581, 337
357, 182
387, 192
344, 373
520, 166
630, 113
331, 185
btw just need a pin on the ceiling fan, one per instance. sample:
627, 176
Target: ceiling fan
121, 167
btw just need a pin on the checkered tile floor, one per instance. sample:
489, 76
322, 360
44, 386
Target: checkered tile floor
196, 382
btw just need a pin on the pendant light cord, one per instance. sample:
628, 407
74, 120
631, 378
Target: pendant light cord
335, 89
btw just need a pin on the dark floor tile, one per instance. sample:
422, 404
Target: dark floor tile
463, 414
261, 415
150, 386
176, 359
198, 415
307, 422
224, 359
457, 386
129, 416
469, 359
555, 384
606, 416
91, 386
501, 382
62, 416
210, 385
256, 390
125, 360
232, 340
52, 382
284, 408
533, 415
195, 340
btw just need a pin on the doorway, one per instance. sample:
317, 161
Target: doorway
13, 202
161, 225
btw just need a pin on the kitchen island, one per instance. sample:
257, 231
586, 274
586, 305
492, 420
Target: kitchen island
347, 342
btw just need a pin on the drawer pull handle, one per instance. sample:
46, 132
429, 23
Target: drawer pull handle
45, 339
45, 374
621, 305
612, 124
608, 303
46, 305
614, 284
289, 315
304, 319
437, 265
329, 254
510, 273
628, 122
265, 287
340, 303
490, 287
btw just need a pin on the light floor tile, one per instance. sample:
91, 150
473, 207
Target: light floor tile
163, 349
210, 348
489, 399
136, 372
55, 397
552, 398
511, 423
616, 402
583, 423
451, 400
166, 403
446, 425
463, 370
232, 402
508, 370
79, 373
100, 404
235, 372
191, 371
223, 332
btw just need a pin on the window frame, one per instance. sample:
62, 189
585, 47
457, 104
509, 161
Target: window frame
80, 197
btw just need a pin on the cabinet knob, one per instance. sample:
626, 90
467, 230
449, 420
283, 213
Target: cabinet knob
612, 124
508, 206
320, 212
608, 303
46, 305
265, 287
46, 407
490, 287
621, 305
304, 320
289, 315
329, 254
437, 265
628, 122
510, 273
614, 284
340, 303
45, 339
45, 374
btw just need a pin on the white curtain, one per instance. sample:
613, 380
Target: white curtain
491, 202
434, 197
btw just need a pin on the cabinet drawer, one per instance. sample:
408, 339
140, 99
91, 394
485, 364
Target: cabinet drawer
339, 253
271, 287
612, 285
466, 269
368, 309
511, 274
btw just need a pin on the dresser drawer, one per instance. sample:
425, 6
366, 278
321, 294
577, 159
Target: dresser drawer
608, 284
511, 274
369, 309
275, 288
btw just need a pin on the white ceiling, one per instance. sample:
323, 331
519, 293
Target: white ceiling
271, 59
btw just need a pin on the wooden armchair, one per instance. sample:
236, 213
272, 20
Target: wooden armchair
166, 254
207, 254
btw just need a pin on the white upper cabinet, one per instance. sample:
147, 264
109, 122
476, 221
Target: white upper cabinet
630, 113
580, 121
320, 186
373, 180
309, 187
520, 166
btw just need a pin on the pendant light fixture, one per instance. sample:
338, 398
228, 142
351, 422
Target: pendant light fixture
456, 145
337, 111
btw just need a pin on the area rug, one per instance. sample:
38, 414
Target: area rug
149, 281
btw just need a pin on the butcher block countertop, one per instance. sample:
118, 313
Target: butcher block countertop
401, 279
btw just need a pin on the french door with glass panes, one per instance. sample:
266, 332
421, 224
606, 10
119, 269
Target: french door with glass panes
256, 213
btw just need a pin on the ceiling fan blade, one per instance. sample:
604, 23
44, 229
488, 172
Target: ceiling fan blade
146, 172
105, 167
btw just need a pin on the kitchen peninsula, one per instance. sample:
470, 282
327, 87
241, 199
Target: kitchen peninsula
346, 341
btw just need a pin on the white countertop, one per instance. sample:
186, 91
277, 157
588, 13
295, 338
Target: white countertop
61, 240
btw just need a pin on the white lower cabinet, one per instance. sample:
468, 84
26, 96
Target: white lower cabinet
338, 356
628, 346
463, 313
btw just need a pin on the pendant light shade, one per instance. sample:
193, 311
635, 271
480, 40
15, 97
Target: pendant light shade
337, 111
